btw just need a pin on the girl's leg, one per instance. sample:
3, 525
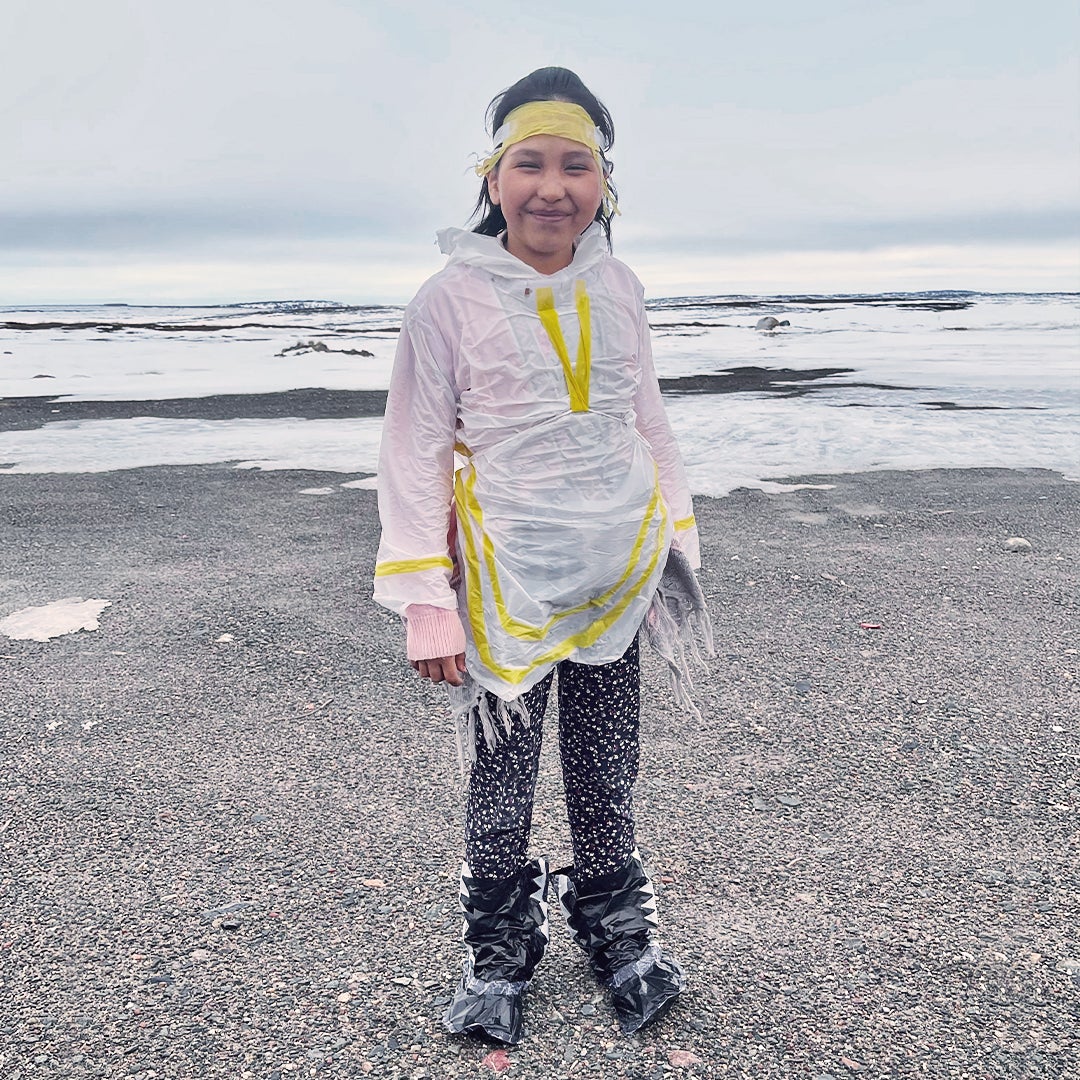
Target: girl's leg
599, 708
498, 810
503, 898
606, 895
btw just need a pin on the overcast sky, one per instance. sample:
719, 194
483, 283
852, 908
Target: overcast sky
217, 150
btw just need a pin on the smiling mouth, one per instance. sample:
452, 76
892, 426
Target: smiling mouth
549, 215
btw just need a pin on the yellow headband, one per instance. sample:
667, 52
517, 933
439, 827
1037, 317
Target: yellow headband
561, 118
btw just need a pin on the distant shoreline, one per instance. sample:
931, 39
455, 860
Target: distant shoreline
890, 296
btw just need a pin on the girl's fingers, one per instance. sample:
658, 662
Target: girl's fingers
450, 671
444, 669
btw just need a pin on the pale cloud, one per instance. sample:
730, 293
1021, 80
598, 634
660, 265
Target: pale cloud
179, 145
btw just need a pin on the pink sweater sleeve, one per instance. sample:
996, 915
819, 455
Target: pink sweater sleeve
432, 632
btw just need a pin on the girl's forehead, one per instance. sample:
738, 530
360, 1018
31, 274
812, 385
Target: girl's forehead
544, 145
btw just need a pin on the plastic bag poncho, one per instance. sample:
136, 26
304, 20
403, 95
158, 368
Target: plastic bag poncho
528, 402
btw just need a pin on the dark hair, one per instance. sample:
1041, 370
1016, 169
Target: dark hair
546, 84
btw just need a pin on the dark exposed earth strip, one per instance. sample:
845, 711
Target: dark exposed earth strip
24, 413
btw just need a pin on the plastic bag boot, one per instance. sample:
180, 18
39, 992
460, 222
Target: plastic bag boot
505, 934
615, 923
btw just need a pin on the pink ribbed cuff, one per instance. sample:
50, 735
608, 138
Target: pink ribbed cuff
432, 632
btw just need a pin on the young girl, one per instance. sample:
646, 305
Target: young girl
535, 513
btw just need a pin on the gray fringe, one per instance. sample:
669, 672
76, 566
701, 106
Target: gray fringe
678, 627
470, 706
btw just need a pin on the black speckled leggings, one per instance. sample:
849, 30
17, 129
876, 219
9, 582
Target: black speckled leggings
598, 742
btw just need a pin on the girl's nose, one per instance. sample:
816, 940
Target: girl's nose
551, 187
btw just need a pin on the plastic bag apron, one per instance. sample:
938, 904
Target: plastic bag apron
562, 538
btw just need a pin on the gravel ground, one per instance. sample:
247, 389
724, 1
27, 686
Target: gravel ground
230, 822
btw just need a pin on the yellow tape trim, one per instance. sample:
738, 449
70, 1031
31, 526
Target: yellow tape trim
685, 523
578, 376
412, 566
525, 631
584, 638
562, 118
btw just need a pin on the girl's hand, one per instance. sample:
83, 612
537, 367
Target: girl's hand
443, 669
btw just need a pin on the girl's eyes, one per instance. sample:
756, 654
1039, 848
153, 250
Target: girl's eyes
534, 166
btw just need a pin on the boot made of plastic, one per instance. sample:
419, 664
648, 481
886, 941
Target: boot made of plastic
615, 922
505, 932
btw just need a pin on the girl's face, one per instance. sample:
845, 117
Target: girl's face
549, 189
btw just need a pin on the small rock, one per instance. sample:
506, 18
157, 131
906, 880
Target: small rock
1069, 966
587, 1010
1018, 543
497, 1061
683, 1059
802, 686
226, 910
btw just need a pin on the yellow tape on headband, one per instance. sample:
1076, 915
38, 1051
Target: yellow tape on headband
561, 118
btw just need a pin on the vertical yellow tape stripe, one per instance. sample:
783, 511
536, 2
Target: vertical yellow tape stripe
577, 376
584, 356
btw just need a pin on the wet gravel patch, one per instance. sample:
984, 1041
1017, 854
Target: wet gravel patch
230, 818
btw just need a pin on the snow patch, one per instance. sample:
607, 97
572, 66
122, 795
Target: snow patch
48, 621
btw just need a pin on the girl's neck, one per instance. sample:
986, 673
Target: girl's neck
546, 263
